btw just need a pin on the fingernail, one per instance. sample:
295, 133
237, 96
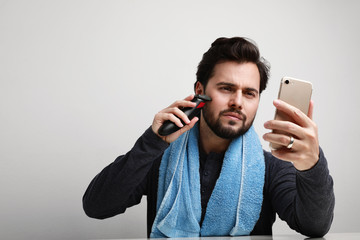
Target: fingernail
264, 137
276, 102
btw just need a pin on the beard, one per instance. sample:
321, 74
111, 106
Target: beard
222, 131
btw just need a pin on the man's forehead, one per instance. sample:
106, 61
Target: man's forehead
233, 73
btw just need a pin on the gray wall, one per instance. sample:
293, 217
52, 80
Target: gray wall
81, 80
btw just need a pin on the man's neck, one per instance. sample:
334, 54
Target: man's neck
209, 141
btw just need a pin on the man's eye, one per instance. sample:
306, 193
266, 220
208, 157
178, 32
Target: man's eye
228, 89
250, 94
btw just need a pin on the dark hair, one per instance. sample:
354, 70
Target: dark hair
235, 49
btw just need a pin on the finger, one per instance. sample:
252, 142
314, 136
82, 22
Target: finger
311, 109
289, 128
186, 102
299, 117
190, 97
161, 118
175, 120
278, 139
190, 125
289, 154
178, 113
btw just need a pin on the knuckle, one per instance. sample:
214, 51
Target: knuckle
301, 157
160, 115
284, 140
311, 135
176, 103
315, 126
174, 110
179, 102
289, 127
174, 118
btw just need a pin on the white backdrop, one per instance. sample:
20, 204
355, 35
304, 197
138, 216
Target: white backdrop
81, 80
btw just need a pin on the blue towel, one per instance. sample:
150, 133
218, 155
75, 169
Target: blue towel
235, 204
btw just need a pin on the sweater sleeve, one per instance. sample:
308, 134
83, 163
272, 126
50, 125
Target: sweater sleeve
304, 199
123, 183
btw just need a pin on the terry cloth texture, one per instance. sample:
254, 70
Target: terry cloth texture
235, 203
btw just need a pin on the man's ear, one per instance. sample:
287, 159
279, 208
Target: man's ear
199, 89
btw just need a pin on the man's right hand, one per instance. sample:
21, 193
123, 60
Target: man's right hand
174, 114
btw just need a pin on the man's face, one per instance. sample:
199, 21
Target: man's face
234, 89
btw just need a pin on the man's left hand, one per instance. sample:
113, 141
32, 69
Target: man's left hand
304, 152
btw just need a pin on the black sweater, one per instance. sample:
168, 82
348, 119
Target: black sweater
304, 199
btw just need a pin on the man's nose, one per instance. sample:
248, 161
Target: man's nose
236, 100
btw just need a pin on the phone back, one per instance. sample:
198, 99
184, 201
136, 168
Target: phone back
295, 92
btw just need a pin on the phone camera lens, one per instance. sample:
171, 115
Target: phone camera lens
287, 81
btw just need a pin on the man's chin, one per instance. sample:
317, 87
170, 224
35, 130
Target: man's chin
233, 126
229, 132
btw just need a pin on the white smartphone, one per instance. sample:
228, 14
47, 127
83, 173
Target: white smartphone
295, 92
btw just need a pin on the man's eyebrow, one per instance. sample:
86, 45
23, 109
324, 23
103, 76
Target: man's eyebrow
249, 89
252, 90
226, 84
